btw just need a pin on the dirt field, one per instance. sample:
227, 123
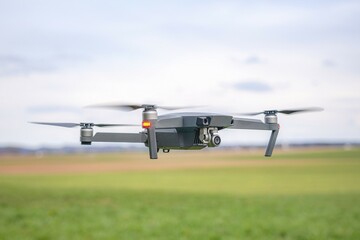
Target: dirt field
53, 164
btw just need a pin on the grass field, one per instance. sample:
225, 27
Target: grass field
302, 194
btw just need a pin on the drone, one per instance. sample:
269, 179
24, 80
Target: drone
181, 131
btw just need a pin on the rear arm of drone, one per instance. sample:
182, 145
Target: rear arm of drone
119, 137
149, 138
253, 124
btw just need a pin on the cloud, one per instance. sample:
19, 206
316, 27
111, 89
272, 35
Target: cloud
252, 86
328, 63
52, 109
17, 65
11, 65
250, 60
253, 60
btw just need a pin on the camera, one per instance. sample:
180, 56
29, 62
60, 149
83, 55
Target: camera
215, 141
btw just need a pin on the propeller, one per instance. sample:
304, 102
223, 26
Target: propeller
132, 107
286, 111
71, 125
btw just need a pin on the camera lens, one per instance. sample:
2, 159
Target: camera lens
216, 140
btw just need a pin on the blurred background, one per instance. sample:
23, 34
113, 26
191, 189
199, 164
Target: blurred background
56, 57
232, 56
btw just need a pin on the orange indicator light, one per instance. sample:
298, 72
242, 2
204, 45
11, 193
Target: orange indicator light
146, 124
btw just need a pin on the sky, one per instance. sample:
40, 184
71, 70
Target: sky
228, 56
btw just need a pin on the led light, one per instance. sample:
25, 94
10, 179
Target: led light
146, 124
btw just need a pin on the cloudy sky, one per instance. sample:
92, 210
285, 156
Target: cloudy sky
232, 56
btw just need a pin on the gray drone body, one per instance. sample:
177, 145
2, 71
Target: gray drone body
183, 131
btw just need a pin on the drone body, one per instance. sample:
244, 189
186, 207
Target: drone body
184, 131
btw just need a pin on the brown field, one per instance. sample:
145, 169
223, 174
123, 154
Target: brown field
139, 161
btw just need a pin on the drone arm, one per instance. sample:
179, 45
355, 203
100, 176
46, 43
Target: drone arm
119, 137
253, 124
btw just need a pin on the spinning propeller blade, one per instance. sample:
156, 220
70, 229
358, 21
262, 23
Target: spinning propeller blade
291, 111
67, 125
132, 107
286, 111
71, 125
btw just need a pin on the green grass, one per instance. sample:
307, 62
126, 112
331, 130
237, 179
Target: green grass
308, 200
